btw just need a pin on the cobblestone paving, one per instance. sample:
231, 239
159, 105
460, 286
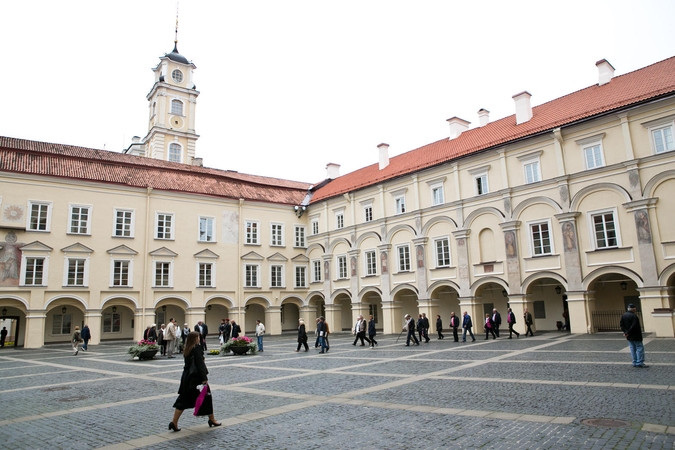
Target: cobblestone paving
529, 393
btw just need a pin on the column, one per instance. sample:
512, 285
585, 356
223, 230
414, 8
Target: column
354, 275
572, 260
581, 305
464, 275
94, 319
474, 309
390, 312
518, 303
656, 312
640, 210
273, 320
421, 265
34, 329
392, 319
512, 260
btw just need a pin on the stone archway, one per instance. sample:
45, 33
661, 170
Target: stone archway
609, 295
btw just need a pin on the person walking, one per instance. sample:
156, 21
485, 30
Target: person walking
454, 324
326, 330
184, 334
194, 374
316, 333
176, 337
425, 327
360, 331
439, 326
489, 327
169, 338
630, 325
203, 330
221, 331
496, 321
3, 336
410, 328
511, 319
77, 338
259, 332
321, 327
236, 329
372, 332
86, 335
420, 327
466, 327
302, 336
528, 322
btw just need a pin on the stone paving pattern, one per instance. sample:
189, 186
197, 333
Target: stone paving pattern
527, 393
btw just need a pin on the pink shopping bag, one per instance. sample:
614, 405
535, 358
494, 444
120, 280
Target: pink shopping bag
202, 395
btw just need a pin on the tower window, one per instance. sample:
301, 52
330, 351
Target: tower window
177, 107
177, 76
175, 153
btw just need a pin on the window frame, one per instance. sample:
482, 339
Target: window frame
201, 280
177, 111
341, 267
169, 275
62, 330
87, 221
177, 76
47, 219
370, 262
532, 240
280, 283
131, 225
80, 277
439, 259
25, 266
252, 281
593, 232
437, 190
532, 159
317, 271
481, 181
315, 226
171, 150
277, 234
252, 232
129, 272
300, 236
403, 258
399, 205
212, 223
652, 126
170, 233
300, 272
339, 220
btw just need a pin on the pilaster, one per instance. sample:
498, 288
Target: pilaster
34, 333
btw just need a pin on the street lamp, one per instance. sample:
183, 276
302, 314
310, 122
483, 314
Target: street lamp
558, 290
63, 310
4, 312
114, 308
624, 285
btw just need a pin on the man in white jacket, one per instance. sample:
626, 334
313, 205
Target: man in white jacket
259, 332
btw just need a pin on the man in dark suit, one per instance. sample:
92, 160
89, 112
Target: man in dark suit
511, 319
203, 331
454, 324
410, 326
496, 320
466, 325
426, 326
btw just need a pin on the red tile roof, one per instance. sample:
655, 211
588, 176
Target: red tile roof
68, 161
641, 85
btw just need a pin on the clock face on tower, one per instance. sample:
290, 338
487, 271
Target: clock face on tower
177, 76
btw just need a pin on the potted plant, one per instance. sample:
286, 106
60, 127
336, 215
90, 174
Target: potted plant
144, 350
239, 346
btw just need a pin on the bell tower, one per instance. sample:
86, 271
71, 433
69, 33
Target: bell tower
172, 103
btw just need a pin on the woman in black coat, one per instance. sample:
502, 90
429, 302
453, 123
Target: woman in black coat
236, 329
302, 336
194, 374
372, 332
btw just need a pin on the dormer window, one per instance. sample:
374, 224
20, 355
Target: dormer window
177, 76
177, 107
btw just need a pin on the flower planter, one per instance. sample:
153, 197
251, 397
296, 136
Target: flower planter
148, 354
239, 350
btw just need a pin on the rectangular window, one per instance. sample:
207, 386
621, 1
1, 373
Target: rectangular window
276, 276
34, 271
593, 156
400, 205
79, 219
339, 220
162, 274
164, 226
124, 223
206, 226
300, 276
120, 273
605, 230
61, 323
481, 184
663, 139
251, 274
368, 213
38, 219
532, 174
112, 323
437, 195
205, 275
342, 267
252, 232
76, 272
541, 238
442, 248
371, 263
315, 226
404, 258
316, 271
277, 231
300, 236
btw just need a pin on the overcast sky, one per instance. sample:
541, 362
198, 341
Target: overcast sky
289, 86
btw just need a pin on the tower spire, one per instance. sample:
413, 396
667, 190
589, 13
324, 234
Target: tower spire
175, 39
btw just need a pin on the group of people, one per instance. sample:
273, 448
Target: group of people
322, 331
80, 337
492, 323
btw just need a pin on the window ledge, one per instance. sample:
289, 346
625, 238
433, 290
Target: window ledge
120, 287
442, 268
609, 249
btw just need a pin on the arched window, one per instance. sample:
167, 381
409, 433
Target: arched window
177, 107
175, 153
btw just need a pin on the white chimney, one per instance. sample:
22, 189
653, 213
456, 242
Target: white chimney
457, 126
483, 117
523, 108
605, 71
384, 155
332, 170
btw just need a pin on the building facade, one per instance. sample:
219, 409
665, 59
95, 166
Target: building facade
562, 208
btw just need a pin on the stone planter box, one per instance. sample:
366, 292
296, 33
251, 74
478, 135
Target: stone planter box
149, 354
239, 350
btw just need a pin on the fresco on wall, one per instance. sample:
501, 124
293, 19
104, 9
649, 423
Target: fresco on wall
10, 260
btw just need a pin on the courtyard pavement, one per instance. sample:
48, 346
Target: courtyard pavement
528, 393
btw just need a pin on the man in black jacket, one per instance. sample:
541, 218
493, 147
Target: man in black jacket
439, 326
497, 320
511, 319
630, 325
425, 327
203, 331
410, 327
454, 324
